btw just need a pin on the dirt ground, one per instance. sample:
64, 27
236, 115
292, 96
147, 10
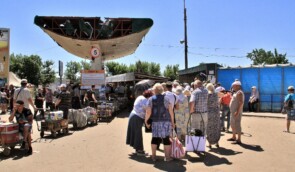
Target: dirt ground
102, 148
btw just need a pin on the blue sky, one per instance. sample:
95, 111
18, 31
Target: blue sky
221, 31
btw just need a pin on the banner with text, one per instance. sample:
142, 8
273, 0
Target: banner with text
92, 77
4, 56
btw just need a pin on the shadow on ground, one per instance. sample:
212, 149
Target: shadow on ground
208, 159
15, 154
174, 165
224, 151
256, 148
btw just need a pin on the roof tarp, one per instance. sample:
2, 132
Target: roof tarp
14, 80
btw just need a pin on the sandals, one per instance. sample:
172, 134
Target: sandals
153, 159
286, 131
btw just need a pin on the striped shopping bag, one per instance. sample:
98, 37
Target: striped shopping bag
177, 150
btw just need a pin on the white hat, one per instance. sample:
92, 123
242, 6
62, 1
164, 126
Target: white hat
290, 88
236, 83
253, 87
218, 89
23, 81
63, 85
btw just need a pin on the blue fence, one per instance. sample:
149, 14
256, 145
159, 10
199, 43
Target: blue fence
272, 83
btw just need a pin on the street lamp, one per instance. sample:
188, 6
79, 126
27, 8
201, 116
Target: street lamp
185, 36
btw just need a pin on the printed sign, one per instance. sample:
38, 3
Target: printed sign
4, 56
92, 77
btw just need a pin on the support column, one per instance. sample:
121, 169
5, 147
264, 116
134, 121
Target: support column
96, 64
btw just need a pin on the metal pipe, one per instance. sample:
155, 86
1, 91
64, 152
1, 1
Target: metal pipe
185, 38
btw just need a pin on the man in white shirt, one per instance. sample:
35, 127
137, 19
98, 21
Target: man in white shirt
23, 94
173, 98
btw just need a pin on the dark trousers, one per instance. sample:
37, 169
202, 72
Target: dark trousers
11, 104
49, 105
225, 113
251, 106
65, 110
41, 112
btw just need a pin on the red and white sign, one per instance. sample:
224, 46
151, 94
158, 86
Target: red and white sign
95, 52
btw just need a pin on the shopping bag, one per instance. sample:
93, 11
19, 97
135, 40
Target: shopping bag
177, 150
195, 143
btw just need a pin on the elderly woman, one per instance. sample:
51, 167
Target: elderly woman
254, 98
289, 105
161, 112
136, 119
213, 126
182, 113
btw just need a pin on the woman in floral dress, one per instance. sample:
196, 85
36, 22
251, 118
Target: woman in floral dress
213, 127
181, 114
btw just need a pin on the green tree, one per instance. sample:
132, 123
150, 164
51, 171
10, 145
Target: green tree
47, 73
85, 65
171, 72
28, 67
154, 69
73, 71
267, 57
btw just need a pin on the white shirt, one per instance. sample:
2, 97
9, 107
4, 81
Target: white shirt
173, 99
24, 95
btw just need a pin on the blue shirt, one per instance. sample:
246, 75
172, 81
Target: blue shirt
200, 98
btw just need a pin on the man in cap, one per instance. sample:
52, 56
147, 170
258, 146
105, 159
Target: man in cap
24, 118
236, 110
64, 101
23, 93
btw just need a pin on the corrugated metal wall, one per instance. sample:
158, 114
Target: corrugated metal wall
272, 83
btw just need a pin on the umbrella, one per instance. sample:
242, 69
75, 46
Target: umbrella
142, 85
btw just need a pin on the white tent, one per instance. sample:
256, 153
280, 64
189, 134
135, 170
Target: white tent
13, 79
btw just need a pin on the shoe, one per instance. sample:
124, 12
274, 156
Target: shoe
141, 153
223, 129
231, 139
210, 146
30, 151
22, 147
286, 131
237, 142
153, 159
217, 145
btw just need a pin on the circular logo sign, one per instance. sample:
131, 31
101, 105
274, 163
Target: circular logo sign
95, 52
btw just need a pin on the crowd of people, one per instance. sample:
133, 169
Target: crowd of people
172, 106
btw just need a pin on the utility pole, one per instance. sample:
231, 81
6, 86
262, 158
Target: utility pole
185, 38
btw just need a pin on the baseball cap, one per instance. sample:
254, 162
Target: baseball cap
290, 88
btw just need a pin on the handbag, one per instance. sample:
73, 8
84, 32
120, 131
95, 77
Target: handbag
177, 150
195, 143
195, 140
148, 130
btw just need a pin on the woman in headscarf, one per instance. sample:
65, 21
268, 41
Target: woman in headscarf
181, 114
254, 98
213, 126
